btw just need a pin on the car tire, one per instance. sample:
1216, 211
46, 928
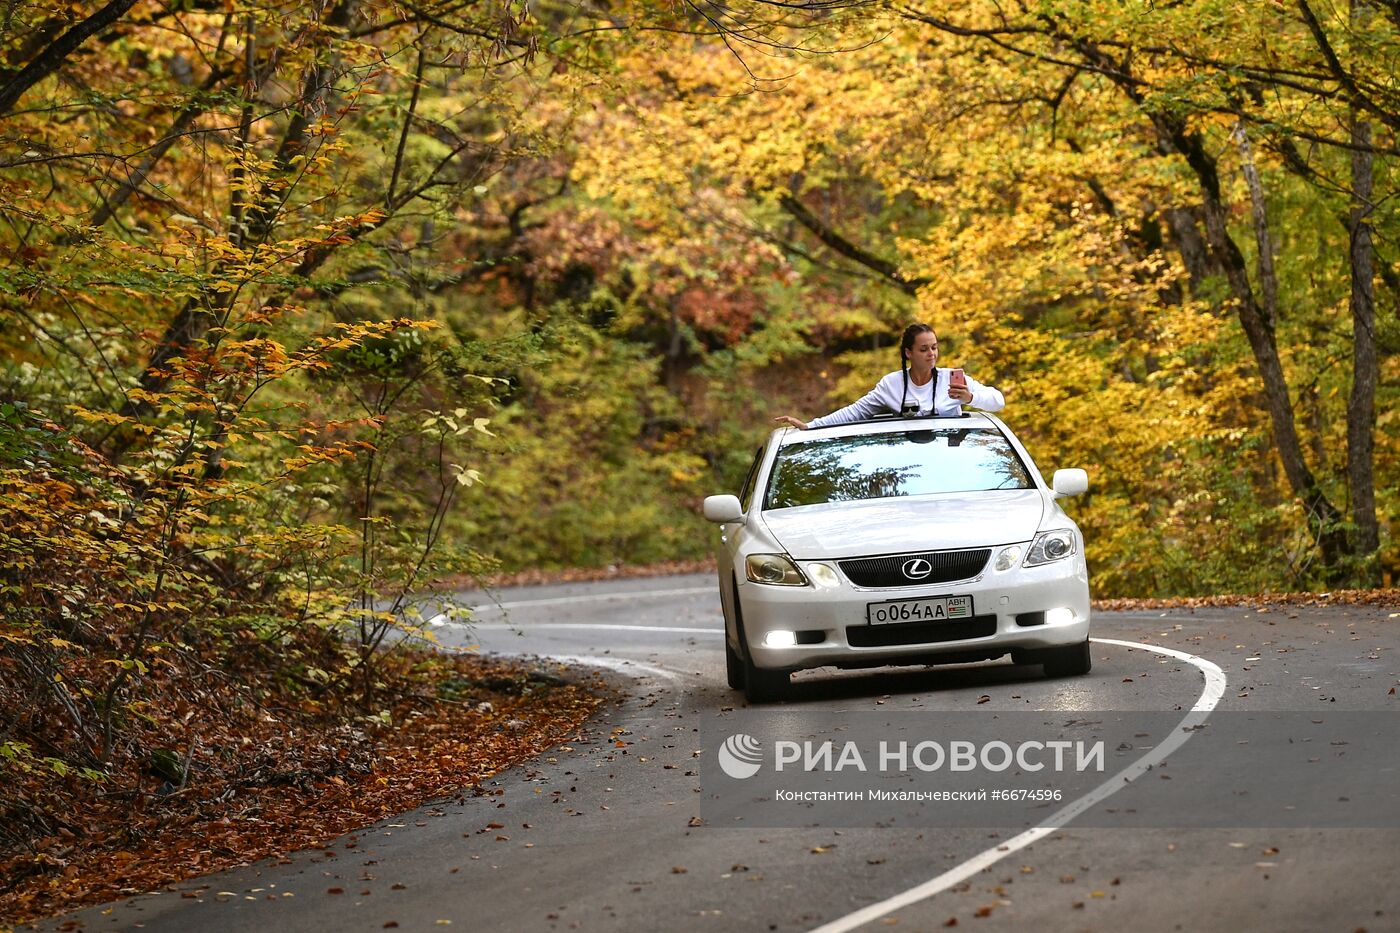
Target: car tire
733, 666
759, 685
1069, 661
763, 686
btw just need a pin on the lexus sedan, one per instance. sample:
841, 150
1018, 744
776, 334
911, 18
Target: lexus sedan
899, 541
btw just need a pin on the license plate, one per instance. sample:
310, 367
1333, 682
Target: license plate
931, 609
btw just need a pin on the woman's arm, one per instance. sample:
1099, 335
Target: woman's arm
883, 398
869, 405
983, 397
879, 400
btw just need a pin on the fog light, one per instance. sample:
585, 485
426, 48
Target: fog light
780, 639
1059, 616
1008, 557
822, 575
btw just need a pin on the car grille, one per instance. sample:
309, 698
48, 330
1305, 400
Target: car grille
889, 571
919, 633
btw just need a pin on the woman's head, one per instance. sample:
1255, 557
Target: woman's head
919, 346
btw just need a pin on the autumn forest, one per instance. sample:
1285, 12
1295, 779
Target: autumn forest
305, 307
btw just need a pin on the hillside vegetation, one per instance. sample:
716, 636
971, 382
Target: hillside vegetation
306, 306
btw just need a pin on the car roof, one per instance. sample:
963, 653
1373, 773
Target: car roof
889, 425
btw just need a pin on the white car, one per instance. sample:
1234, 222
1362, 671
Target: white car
899, 541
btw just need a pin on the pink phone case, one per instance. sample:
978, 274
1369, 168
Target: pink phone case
956, 378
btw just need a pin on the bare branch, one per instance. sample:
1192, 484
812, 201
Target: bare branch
1354, 93
53, 57
839, 244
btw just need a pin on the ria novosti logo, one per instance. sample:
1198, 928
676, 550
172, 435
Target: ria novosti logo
740, 756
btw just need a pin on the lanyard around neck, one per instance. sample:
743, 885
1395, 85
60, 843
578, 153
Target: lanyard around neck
933, 395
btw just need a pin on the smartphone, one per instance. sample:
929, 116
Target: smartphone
956, 379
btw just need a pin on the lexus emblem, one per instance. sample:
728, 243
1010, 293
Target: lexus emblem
917, 569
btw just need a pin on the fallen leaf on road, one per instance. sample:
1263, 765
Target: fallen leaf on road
983, 699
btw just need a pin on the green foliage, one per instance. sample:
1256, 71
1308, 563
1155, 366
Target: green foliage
589, 465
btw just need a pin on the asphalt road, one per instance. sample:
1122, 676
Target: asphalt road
617, 831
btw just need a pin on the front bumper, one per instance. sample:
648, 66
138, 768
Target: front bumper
824, 619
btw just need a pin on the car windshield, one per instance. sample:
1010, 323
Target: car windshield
904, 463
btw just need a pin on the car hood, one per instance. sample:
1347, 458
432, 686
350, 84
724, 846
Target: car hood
894, 526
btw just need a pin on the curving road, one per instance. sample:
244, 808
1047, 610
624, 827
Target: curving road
617, 831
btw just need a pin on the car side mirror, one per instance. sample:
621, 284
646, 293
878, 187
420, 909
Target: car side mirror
1069, 483
721, 509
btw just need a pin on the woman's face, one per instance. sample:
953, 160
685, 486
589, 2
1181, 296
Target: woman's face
924, 353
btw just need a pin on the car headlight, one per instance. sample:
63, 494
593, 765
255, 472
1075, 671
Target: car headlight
823, 575
1050, 546
773, 569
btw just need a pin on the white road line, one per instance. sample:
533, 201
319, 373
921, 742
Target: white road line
595, 598
621, 665
531, 626
1210, 696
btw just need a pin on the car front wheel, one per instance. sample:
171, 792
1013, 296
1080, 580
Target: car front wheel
1069, 661
733, 666
759, 685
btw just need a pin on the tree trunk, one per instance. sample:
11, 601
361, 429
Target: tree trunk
1185, 228
1324, 518
1361, 404
1268, 280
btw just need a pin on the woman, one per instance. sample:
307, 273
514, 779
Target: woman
917, 388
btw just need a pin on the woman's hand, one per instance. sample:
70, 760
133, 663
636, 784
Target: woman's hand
791, 422
960, 393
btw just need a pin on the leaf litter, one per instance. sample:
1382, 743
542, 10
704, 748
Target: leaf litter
265, 785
